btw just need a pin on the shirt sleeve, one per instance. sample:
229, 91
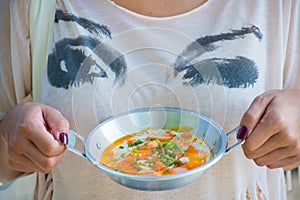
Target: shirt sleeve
15, 67
291, 76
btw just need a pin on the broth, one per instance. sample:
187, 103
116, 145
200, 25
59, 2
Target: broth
157, 152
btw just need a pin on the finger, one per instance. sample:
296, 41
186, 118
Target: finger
253, 115
43, 141
56, 123
21, 162
292, 166
42, 163
275, 142
274, 156
280, 157
288, 163
271, 124
21, 167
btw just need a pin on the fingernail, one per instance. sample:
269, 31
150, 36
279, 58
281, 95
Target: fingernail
63, 138
242, 133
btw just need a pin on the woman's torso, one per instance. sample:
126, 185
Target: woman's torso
213, 60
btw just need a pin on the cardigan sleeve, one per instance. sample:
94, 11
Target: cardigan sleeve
15, 59
291, 76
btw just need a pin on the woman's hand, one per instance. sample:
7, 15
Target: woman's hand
35, 135
273, 124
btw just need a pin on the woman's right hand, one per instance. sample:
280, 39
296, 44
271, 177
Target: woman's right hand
35, 136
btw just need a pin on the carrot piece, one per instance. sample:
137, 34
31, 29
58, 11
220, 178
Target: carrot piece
169, 133
170, 171
159, 166
147, 146
130, 141
160, 137
127, 165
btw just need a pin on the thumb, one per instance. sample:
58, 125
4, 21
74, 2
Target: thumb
56, 124
254, 114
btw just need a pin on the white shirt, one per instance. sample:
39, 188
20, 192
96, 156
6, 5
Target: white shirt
234, 51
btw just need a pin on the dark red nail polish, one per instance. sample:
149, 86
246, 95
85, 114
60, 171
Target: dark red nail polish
63, 138
242, 133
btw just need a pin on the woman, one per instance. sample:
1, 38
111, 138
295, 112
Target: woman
232, 61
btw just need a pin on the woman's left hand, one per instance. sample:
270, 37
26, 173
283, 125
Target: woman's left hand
273, 124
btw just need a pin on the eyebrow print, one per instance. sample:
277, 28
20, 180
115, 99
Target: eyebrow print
87, 24
206, 44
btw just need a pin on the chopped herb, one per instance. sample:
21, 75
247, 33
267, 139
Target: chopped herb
170, 152
163, 151
170, 158
141, 163
121, 147
137, 142
150, 164
177, 162
134, 150
134, 159
177, 147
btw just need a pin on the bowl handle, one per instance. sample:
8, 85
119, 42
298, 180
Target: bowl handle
73, 136
237, 143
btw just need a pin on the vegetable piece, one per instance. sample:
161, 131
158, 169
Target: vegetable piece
177, 147
160, 137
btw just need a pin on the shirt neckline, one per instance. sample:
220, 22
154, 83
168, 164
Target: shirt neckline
138, 15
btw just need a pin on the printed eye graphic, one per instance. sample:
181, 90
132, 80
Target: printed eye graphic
80, 60
238, 72
75, 61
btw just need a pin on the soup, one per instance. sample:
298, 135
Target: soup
157, 152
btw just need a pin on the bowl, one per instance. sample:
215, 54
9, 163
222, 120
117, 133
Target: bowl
162, 118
